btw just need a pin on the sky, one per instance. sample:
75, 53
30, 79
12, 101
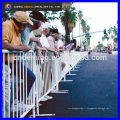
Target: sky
98, 16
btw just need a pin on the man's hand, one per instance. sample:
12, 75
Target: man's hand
40, 48
43, 48
24, 48
11, 47
57, 53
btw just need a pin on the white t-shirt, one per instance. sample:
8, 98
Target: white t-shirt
60, 43
44, 41
51, 41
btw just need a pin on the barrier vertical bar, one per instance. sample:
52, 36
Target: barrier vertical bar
13, 93
3, 85
23, 84
17, 85
9, 85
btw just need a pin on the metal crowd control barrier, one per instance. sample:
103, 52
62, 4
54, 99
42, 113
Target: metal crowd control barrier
22, 94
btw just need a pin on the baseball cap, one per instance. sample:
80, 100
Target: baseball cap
22, 17
36, 16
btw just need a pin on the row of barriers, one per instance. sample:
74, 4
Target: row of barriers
27, 79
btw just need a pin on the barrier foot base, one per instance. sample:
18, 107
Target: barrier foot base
43, 115
61, 91
71, 74
66, 81
77, 67
74, 70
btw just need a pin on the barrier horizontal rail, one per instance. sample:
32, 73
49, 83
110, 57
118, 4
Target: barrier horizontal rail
26, 82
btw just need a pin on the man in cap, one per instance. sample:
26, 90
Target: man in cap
54, 36
11, 40
28, 37
12, 29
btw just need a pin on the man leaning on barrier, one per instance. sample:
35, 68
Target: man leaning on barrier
28, 37
54, 41
11, 40
47, 62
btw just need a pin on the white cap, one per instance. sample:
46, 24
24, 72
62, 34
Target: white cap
45, 25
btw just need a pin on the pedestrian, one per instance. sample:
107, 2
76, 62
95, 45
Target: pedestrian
11, 40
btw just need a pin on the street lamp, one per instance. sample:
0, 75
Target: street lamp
66, 6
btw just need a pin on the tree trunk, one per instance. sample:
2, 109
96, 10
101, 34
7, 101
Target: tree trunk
67, 35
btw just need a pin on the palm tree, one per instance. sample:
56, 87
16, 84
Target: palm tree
50, 15
87, 28
88, 36
72, 19
83, 24
80, 14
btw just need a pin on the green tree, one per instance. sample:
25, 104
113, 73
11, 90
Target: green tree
68, 19
6, 15
83, 24
72, 18
88, 36
111, 33
80, 14
86, 29
50, 15
99, 45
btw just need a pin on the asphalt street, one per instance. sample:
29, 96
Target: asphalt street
93, 92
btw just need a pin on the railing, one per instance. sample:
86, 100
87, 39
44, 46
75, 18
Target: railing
27, 79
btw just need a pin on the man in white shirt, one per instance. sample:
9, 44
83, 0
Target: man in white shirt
46, 69
44, 40
53, 41
53, 38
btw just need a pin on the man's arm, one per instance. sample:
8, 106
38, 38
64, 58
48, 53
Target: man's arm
53, 50
9, 46
34, 39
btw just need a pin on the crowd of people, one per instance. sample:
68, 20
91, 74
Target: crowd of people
25, 32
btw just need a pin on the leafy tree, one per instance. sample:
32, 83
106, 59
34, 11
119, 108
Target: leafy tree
50, 15
99, 45
80, 14
72, 17
6, 15
112, 33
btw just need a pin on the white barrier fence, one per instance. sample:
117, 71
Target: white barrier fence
27, 79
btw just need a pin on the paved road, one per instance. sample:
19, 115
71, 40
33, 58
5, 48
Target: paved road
93, 92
